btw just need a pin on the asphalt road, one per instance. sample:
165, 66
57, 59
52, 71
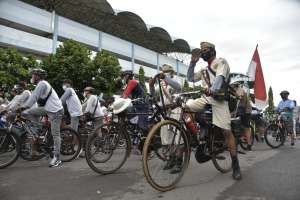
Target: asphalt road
267, 175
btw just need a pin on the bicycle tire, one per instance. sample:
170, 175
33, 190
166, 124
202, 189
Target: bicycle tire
15, 138
147, 148
22, 151
90, 157
280, 135
217, 147
76, 138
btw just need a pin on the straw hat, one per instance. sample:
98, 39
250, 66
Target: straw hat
120, 105
167, 68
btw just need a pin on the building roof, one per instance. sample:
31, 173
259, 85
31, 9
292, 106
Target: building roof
127, 25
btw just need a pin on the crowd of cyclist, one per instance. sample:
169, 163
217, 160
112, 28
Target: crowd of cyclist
44, 100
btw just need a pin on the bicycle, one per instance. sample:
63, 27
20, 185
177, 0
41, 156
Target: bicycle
276, 132
258, 125
36, 140
9, 146
114, 138
208, 142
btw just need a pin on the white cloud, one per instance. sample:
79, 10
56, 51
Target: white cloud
235, 27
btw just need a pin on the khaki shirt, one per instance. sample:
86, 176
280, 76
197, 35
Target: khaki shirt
219, 66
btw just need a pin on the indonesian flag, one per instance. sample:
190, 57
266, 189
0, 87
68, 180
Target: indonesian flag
256, 75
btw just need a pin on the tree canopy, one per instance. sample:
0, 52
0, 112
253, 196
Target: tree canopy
14, 67
72, 61
142, 78
270, 109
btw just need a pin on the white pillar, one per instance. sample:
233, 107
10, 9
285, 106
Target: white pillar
54, 26
177, 67
157, 62
100, 41
132, 57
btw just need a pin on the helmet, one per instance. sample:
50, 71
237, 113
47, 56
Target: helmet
127, 72
284, 92
40, 72
90, 89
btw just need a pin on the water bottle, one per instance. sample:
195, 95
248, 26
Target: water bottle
190, 124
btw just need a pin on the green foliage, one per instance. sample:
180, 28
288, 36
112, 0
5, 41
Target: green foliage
186, 87
142, 78
270, 109
73, 61
107, 71
14, 67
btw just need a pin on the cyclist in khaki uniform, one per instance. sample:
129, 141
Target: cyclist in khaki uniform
214, 76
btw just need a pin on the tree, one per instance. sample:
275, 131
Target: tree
271, 106
107, 71
186, 86
14, 67
71, 61
142, 78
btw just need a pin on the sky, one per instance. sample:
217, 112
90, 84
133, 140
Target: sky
235, 27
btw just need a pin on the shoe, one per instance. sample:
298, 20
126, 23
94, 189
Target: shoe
178, 166
241, 152
55, 162
236, 171
292, 141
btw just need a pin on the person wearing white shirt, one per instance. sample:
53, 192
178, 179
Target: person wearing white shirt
91, 107
72, 101
49, 104
22, 95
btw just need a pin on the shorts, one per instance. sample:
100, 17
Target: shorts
289, 123
220, 110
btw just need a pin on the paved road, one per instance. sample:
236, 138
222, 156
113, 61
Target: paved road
267, 175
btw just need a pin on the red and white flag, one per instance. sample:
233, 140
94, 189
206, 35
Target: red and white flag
256, 75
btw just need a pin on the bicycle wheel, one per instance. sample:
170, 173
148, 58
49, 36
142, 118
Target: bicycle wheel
107, 149
164, 168
274, 136
29, 150
9, 148
220, 154
70, 144
244, 142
